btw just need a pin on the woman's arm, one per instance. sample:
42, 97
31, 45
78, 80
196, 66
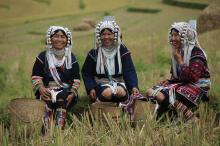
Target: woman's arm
129, 73
88, 73
37, 79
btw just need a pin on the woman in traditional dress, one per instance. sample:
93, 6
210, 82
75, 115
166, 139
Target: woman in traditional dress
55, 75
108, 71
190, 78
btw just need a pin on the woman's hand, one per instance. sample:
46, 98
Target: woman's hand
165, 82
69, 99
92, 95
45, 93
177, 56
135, 91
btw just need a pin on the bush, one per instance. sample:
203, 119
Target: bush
48, 2
106, 13
82, 5
143, 10
7, 7
190, 5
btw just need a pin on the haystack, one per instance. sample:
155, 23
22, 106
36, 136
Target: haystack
85, 25
82, 26
89, 21
209, 18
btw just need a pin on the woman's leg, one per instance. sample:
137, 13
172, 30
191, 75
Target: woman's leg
60, 117
162, 99
61, 112
106, 95
48, 116
121, 94
159, 96
183, 109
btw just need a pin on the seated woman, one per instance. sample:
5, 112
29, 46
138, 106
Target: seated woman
190, 78
108, 71
55, 75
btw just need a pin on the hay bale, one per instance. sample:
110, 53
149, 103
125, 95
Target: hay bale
89, 21
26, 113
209, 18
85, 25
82, 26
99, 109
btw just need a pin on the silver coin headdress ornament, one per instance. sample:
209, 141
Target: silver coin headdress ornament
109, 23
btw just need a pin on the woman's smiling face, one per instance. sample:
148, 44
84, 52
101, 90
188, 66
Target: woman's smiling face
107, 38
59, 40
175, 39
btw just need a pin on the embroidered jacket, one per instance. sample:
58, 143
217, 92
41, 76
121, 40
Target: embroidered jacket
41, 74
196, 73
192, 83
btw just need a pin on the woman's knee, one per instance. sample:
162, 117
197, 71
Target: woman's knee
120, 91
107, 93
159, 96
149, 92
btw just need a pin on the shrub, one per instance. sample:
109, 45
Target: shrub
5, 6
106, 13
190, 5
48, 2
82, 5
143, 10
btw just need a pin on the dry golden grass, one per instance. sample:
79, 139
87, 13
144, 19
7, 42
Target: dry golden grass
146, 37
31, 9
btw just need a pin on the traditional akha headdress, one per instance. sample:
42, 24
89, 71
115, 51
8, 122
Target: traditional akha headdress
51, 52
187, 31
109, 53
110, 23
66, 51
51, 31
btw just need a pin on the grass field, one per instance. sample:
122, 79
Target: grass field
23, 27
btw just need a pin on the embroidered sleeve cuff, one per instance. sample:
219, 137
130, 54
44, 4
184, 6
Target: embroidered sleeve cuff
36, 83
75, 86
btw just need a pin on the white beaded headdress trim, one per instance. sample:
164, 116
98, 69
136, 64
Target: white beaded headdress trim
51, 51
186, 31
51, 31
188, 34
107, 22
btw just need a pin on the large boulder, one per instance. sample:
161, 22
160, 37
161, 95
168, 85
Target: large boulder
209, 18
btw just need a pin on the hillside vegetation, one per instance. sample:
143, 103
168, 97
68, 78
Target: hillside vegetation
23, 26
14, 10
